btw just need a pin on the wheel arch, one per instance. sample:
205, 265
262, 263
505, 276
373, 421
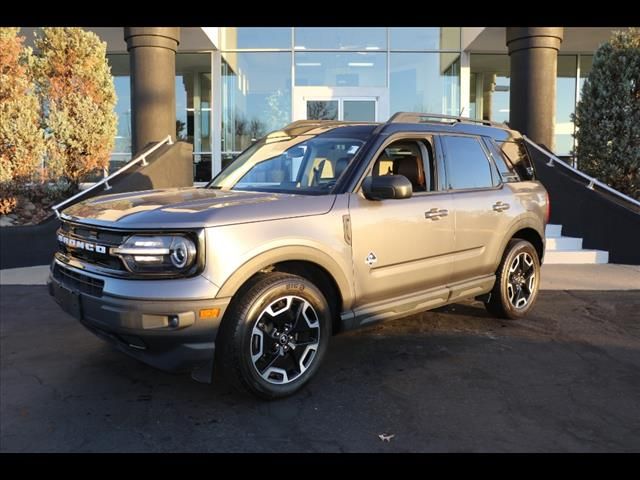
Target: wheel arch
308, 262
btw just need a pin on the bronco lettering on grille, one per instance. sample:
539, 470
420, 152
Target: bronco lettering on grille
82, 245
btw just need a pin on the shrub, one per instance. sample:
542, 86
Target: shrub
21, 138
78, 97
608, 114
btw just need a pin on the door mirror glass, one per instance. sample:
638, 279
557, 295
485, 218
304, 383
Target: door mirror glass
387, 187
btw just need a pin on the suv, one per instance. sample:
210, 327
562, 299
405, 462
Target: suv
321, 227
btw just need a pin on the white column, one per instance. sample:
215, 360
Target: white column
465, 82
216, 113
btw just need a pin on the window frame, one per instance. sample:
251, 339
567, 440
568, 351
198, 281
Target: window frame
492, 167
419, 137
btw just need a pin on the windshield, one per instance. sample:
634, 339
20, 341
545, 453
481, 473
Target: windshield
304, 164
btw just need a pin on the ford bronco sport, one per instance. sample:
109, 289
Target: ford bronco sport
320, 227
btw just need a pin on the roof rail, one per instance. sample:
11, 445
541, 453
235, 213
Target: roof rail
414, 117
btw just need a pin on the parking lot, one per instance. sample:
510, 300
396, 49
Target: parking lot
567, 378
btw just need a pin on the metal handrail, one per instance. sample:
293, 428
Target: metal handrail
592, 181
105, 181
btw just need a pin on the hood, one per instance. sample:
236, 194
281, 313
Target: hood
193, 208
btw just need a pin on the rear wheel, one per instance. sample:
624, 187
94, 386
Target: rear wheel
517, 281
275, 335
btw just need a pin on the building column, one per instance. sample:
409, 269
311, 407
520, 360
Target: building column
152, 60
534, 64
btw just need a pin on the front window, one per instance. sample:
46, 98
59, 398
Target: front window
304, 164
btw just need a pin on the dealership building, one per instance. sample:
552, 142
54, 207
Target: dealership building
220, 88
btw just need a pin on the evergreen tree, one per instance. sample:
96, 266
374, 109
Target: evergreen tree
608, 115
78, 98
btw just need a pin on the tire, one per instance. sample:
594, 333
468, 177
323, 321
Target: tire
274, 335
506, 299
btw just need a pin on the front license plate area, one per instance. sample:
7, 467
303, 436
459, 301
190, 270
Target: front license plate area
70, 302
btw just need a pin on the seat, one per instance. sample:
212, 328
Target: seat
410, 166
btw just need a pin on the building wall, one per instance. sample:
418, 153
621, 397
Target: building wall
234, 85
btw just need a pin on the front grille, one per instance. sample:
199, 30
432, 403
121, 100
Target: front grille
92, 235
78, 281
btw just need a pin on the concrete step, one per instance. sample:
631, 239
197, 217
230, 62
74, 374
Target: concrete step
576, 256
564, 243
553, 230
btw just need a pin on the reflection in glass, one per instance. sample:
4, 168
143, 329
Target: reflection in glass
193, 108
322, 110
255, 37
121, 153
256, 97
489, 88
305, 164
425, 82
359, 110
424, 38
357, 69
340, 38
565, 103
467, 164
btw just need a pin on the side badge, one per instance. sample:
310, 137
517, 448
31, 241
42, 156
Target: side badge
371, 259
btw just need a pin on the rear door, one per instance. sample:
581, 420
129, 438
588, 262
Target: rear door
480, 205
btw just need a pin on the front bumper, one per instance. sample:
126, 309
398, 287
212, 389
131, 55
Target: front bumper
171, 335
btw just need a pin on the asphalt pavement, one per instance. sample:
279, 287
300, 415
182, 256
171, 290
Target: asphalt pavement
565, 379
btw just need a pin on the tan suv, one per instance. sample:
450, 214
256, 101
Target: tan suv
317, 228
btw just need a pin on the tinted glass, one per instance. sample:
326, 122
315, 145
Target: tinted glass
256, 96
425, 38
507, 173
342, 38
425, 82
359, 110
255, 37
565, 103
489, 87
467, 164
322, 110
341, 69
517, 154
308, 165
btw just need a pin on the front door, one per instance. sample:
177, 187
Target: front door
340, 103
403, 246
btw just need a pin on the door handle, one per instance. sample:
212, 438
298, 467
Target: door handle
435, 214
500, 206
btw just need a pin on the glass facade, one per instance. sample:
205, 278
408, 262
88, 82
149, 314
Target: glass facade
255, 83
193, 109
256, 97
122, 149
263, 71
425, 82
489, 92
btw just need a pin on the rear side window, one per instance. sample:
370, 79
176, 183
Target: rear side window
506, 170
467, 163
517, 154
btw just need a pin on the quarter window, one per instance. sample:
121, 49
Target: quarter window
467, 163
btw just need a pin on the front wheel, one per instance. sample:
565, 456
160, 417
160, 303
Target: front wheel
274, 335
517, 281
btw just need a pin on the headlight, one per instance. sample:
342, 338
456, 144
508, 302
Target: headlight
161, 254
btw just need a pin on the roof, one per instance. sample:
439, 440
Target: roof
413, 122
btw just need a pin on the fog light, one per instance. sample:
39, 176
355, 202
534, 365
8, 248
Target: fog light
173, 321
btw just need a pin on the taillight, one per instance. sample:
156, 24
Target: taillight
548, 212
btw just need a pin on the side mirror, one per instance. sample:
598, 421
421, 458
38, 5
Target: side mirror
387, 186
